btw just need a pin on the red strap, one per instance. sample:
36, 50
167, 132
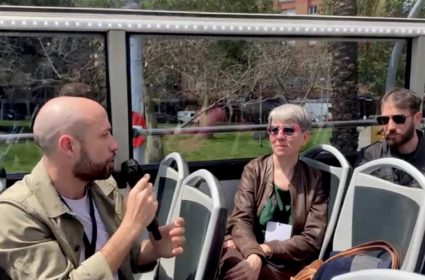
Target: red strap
139, 120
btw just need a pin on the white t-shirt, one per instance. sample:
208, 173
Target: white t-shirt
81, 209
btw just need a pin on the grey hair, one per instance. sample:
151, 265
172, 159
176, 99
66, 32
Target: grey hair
291, 113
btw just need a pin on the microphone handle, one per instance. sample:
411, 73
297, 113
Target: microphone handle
153, 227
134, 173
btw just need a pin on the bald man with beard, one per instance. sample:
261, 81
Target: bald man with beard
400, 116
65, 220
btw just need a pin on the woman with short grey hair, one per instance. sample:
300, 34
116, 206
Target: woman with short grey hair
279, 216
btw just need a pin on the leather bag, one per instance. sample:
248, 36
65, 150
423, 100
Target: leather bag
343, 262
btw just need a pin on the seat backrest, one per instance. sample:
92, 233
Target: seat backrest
376, 209
171, 172
167, 184
3, 274
380, 274
229, 190
205, 214
335, 180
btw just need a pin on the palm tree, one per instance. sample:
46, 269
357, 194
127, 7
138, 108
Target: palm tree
344, 81
376, 8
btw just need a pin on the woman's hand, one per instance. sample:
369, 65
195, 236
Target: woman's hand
229, 244
246, 269
267, 250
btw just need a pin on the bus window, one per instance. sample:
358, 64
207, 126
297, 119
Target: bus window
33, 68
193, 85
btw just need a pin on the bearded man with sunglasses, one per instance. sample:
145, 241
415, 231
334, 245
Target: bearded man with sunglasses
400, 115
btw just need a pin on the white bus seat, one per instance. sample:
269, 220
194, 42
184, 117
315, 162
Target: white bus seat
376, 209
4, 275
167, 184
336, 179
205, 214
379, 274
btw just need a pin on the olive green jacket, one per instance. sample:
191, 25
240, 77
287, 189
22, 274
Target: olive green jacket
41, 239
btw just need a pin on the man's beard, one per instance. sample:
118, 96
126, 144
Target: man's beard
88, 170
401, 138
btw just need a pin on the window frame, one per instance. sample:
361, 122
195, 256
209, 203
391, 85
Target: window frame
117, 25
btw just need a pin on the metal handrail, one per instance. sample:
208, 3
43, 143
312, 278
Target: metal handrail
15, 18
208, 129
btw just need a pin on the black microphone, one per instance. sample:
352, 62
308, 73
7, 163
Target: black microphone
132, 172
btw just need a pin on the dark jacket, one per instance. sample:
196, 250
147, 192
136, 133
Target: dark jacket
381, 149
308, 204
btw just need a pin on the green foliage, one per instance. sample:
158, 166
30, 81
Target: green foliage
372, 66
230, 145
318, 136
19, 157
234, 6
219, 146
15, 123
229, 53
325, 7
22, 156
371, 8
373, 58
62, 3
66, 3
97, 3
394, 8
375, 8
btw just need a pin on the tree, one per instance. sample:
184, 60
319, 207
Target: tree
56, 59
34, 67
344, 81
234, 6
358, 63
63, 3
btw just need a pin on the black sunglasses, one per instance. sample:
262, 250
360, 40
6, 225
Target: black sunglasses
398, 119
287, 130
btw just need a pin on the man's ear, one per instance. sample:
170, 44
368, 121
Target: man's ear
67, 144
417, 117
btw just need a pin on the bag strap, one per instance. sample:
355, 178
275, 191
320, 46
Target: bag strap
370, 246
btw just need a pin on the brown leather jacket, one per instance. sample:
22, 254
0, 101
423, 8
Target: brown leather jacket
308, 204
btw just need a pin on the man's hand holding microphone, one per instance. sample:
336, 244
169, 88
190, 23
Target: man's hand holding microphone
141, 207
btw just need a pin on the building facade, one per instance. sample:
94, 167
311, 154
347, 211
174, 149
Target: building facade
297, 7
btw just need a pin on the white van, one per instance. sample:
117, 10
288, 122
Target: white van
184, 116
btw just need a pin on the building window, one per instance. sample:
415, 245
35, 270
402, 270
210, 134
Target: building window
312, 10
289, 12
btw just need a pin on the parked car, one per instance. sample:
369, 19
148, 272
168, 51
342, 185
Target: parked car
184, 116
165, 118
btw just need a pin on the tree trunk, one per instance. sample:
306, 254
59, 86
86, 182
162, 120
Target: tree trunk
204, 95
344, 82
154, 152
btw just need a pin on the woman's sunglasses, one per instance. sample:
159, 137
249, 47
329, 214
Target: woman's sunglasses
398, 119
286, 130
